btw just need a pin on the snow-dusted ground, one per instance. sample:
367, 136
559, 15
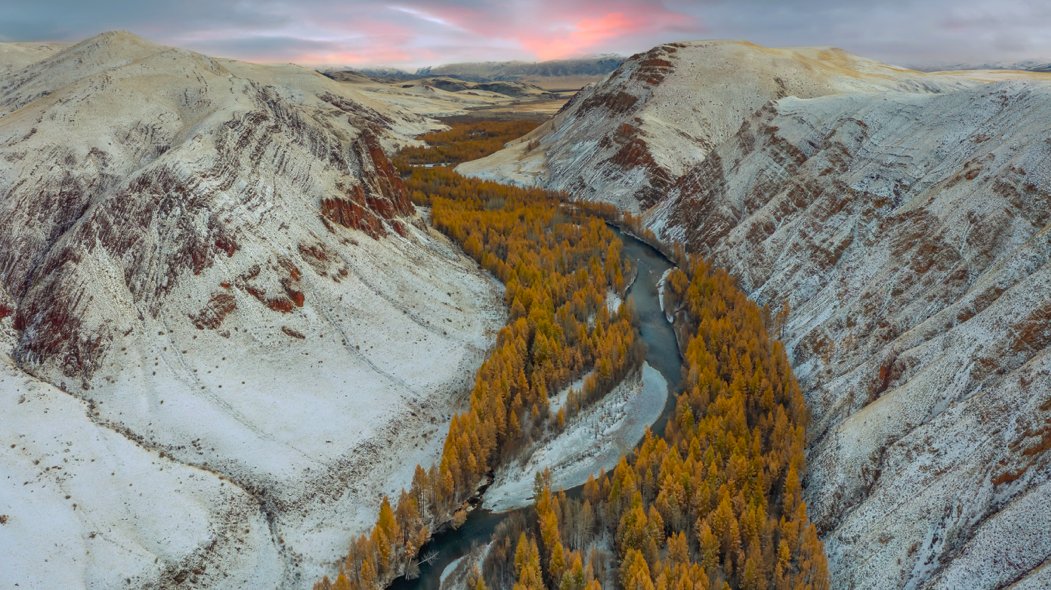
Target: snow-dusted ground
261, 477
455, 575
86, 506
613, 302
245, 449
679, 118
558, 400
661, 285
909, 234
595, 440
449, 570
14, 56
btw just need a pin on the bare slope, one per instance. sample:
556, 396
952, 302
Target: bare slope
446, 97
904, 217
214, 278
15, 56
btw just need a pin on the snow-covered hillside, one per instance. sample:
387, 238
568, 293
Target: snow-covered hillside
226, 331
626, 139
904, 218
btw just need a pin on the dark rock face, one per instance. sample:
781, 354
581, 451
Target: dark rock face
374, 205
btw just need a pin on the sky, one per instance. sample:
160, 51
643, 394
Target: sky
413, 33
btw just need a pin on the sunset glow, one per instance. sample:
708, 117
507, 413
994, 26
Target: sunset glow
411, 33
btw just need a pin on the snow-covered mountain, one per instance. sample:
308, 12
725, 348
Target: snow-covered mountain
904, 218
225, 330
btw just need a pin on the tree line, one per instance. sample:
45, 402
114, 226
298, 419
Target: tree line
464, 141
714, 503
558, 267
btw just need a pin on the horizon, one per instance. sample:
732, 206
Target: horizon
419, 33
413, 69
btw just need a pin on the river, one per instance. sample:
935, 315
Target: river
662, 353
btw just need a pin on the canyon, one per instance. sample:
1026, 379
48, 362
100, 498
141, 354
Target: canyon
226, 332
897, 222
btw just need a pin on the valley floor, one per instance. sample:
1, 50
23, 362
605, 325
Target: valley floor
594, 441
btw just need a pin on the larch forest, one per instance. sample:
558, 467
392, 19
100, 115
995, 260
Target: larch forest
715, 503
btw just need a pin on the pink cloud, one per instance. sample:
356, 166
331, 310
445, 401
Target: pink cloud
412, 33
552, 29
580, 37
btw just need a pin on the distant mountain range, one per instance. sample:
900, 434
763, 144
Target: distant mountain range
1030, 65
592, 68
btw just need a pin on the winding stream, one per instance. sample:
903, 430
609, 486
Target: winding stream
662, 353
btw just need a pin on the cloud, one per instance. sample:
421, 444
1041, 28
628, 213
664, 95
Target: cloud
424, 32
581, 28
408, 32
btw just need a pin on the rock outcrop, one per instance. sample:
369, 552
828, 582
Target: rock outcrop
903, 218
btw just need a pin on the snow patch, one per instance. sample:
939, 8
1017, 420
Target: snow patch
559, 400
613, 302
662, 283
594, 441
449, 569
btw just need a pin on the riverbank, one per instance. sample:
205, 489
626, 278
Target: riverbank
663, 358
594, 441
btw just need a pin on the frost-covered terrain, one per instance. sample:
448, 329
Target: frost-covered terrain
225, 330
448, 97
15, 56
904, 218
593, 441
627, 139
457, 575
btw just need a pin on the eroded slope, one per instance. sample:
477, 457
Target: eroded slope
913, 251
218, 261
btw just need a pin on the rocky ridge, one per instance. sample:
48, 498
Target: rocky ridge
902, 220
